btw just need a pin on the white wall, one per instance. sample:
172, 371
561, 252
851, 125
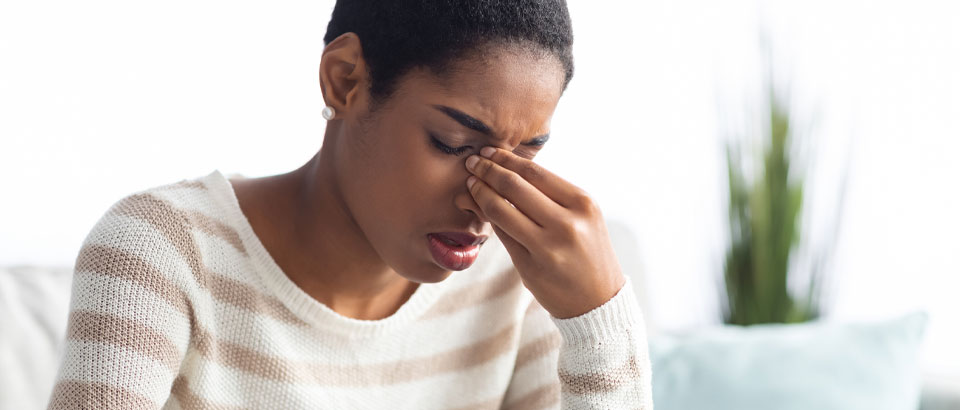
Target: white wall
99, 99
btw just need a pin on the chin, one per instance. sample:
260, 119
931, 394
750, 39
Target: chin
429, 273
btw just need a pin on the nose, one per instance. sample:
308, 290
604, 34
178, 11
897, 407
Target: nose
464, 201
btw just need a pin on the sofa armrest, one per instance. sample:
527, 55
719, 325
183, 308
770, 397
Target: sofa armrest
35, 302
940, 393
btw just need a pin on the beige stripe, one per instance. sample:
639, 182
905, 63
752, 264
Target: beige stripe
216, 228
171, 222
542, 398
246, 297
71, 394
539, 347
184, 184
188, 400
279, 369
533, 307
490, 404
175, 225
473, 295
599, 383
204, 222
124, 265
116, 331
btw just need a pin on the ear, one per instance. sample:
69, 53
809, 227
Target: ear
343, 73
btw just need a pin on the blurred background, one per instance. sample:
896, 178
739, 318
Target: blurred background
100, 99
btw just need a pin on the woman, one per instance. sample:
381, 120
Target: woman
357, 280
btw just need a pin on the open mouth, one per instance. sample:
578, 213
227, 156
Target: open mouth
459, 239
454, 250
449, 241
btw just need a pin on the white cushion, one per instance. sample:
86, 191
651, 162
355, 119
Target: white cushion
35, 303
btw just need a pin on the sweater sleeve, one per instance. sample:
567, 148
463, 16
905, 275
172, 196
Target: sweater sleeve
129, 322
598, 360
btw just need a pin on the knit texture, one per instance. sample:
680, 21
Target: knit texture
176, 304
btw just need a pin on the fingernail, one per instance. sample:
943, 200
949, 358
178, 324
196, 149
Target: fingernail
487, 151
472, 160
470, 181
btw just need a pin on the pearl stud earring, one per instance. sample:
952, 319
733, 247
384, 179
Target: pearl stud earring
328, 113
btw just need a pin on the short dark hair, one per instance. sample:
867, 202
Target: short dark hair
398, 35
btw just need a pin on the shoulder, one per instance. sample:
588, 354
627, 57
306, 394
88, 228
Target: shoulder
153, 229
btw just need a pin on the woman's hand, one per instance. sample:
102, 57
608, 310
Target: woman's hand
554, 233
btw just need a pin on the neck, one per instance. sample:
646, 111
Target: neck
327, 254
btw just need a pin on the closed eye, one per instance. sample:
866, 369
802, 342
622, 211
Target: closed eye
538, 141
446, 149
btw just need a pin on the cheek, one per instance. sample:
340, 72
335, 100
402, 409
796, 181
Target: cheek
400, 175
426, 177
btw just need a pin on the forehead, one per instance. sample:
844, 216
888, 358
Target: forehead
514, 92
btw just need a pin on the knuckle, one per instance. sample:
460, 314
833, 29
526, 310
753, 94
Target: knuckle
574, 228
531, 171
567, 230
557, 258
483, 167
590, 209
581, 227
510, 184
494, 210
582, 201
477, 189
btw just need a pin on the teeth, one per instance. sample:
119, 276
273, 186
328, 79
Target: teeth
449, 242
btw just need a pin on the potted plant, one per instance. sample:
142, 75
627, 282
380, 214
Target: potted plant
766, 203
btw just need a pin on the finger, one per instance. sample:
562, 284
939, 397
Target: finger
527, 198
514, 248
500, 213
551, 185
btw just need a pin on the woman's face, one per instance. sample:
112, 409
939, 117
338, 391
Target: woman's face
401, 167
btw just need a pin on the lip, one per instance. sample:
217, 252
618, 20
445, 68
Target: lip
462, 238
458, 256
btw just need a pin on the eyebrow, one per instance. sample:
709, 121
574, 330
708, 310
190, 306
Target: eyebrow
479, 126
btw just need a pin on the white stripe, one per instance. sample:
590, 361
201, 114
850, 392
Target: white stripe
461, 328
228, 386
536, 325
233, 325
144, 240
172, 404
231, 264
139, 305
419, 339
534, 375
629, 397
117, 366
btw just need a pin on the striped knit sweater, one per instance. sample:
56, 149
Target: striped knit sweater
177, 304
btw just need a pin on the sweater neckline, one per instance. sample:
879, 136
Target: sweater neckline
304, 306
